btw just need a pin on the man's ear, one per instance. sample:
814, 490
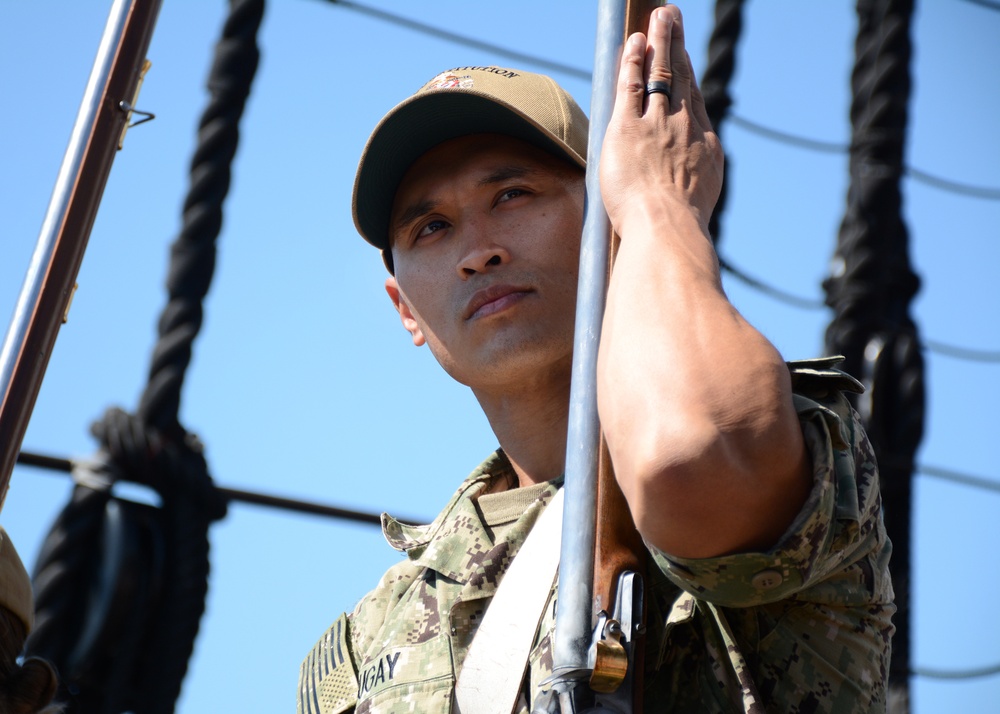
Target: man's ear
405, 314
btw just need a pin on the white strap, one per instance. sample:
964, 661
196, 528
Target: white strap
491, 675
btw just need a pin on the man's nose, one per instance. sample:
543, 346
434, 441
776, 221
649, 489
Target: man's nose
481, 256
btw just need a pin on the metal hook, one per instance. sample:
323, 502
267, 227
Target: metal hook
129, 109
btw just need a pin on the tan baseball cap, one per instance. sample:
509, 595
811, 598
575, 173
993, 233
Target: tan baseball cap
458, 102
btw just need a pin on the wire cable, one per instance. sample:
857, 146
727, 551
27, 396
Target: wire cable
964, 189
988, 4
769, 290
931, 673
956, 477
68, 466
830, 147
437, 32
804, 303
964, 353
778, 294
827, 147
824, 147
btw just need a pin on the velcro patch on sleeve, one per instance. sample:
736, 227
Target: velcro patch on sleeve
328, 683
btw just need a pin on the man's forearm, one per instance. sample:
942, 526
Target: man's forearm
695, 403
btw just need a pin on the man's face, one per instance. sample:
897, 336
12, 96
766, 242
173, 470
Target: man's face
485, 234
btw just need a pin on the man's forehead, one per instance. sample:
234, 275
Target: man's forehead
483, 149
468, 175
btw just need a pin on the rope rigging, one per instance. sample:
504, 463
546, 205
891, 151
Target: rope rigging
236, 495
873, 285
152, 562
231, 495
177, 469
298, 506
730, 15
718, 72
715, 83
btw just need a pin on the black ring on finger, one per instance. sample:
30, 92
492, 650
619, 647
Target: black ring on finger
658, 87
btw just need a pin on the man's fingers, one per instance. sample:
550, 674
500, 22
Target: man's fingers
680, 63
631, 84
658, 68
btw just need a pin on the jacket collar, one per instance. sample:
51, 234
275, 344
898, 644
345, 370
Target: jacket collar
456, 544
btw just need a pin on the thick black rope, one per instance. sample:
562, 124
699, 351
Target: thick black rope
715, 83
192, 260
873, 283
157, 558
62, 573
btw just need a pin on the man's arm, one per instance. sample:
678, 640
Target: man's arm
695, 403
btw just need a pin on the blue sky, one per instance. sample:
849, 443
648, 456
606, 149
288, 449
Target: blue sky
303, 382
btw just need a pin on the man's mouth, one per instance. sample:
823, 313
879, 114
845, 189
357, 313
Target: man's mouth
493, 299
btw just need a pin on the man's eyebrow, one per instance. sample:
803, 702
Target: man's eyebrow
505, 173
413, 212
499, 175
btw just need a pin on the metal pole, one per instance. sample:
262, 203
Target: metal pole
574, 608
48, 285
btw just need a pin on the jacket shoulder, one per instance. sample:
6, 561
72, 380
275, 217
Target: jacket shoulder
816, 378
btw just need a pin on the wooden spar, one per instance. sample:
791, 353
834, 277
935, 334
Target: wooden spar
618, 546
598, 537
45, 296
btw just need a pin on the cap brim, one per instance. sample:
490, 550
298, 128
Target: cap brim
419, 124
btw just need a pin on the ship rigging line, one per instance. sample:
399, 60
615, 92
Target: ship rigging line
828, 147
982, 192
804, 303
68, 466
988, 4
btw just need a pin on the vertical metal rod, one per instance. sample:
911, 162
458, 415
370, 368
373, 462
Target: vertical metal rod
574, 608
55, 216
48, 284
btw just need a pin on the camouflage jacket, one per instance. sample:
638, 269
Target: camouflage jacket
802, 628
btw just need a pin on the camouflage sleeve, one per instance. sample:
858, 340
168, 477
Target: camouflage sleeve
328, 683
328, 680
836, 550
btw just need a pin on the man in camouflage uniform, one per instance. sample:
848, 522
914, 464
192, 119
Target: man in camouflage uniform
750, 480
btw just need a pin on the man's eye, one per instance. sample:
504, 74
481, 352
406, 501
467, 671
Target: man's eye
432, 227
511, 193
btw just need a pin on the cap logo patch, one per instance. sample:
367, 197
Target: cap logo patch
449, 80
507, 73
